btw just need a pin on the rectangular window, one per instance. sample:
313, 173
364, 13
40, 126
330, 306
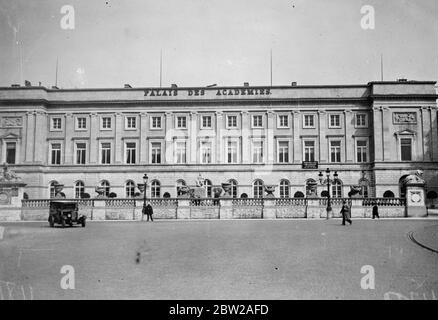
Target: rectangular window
232, 121
257, 152
309, 121
283, 121
232, 152
156, 122
206, 122
361, 120
11, 151
106, 123
181, 122
81, 151
406, 149
335, 121
56, 123
361, 150
309, 151
205, 152
257, 121
55, 153
81, 123
156, 152
131, 122
335, 151
283, 151
130, 153
180, 152
105, 153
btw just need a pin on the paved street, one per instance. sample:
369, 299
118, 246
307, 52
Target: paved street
240, 259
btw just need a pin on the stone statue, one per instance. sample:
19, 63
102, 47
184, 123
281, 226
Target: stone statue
416, 178
8, 175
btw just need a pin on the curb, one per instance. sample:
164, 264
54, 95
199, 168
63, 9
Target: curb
411, 237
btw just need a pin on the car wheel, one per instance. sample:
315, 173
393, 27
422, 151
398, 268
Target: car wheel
83, 222
62, 222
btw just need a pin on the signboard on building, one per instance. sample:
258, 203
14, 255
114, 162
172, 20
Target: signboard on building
310, 165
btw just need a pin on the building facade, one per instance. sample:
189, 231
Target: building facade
373, 135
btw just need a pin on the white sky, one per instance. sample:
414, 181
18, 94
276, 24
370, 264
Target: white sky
227, 42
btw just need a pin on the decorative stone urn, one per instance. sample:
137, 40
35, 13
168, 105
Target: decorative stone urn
269, 189
100, 192
183, 192
226, 186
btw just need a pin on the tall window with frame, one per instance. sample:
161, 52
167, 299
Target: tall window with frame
233, 188
11, 152
52, 188
361, 120
335, 121
335, 151
337, 189
232, 121
257, 151
131, 122
284, 189
105, 153
107, 188
283, 151
81, 123
406, 149
156, 122
258, 189
180, 152
56, 123
309, 121
55, 153
361, 150
131, 152
155, 189
156, 152
231, 151
79, 189
206, 122
208, 188
106, 123
181, 122
81, 152
130, 189
257, 121
283, 121
309, 151
205, 152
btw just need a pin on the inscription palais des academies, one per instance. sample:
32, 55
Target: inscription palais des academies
201, 92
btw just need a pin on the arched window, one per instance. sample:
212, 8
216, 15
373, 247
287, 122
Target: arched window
388, 194
364, 184
258, 189
155, 189
52, 188
284, 189
337, 189
233, 188
311, 187
130, 189
79, 189
106, 185
298, 194
208, 188
180, 183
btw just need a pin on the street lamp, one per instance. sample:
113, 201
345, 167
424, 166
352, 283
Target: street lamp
328, 181
143, 187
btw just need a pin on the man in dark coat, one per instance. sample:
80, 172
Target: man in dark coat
149, 212
375, 211
346, 213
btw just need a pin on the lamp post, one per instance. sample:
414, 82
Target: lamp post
143, 187
328, 181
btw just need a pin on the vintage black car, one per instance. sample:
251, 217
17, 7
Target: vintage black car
65, 212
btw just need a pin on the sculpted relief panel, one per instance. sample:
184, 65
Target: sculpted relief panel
404, 118
11, 122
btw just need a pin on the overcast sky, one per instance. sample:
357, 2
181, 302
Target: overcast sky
226, 42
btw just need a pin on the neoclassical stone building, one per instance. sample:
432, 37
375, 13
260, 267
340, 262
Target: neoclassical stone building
373, 135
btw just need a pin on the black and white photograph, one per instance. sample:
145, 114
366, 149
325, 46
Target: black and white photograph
233, 152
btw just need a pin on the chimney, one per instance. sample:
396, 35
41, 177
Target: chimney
294, 84
127, 86
246, 84
212, 85
402, 80
27, 83
55, 87
39, 84
173, 85
15, 85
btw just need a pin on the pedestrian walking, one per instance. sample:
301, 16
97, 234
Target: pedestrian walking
149, 212
346, 213
375, 211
